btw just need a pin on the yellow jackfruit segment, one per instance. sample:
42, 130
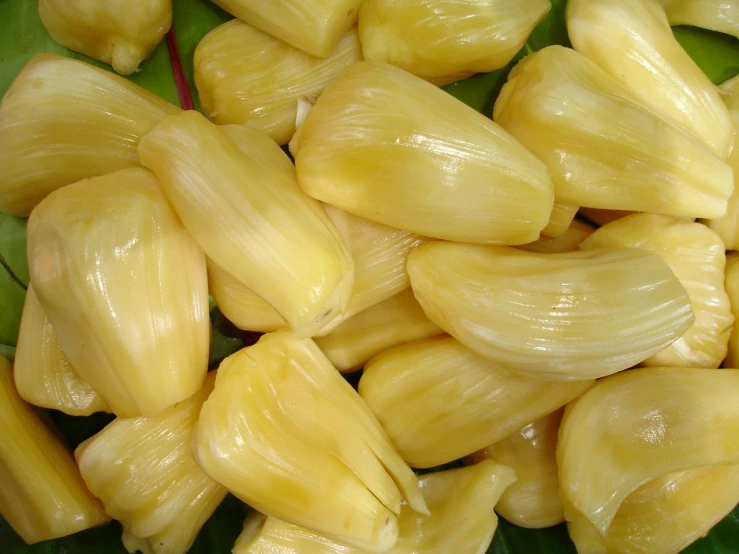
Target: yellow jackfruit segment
602, 146
248, 77
395, 321
314, 26
447, 40
729, 91
697, 257
572, 315
122, 33
566, 242
42, 495
236, 193
461, 502
242, 306
379, 253
287, 434
439, 401
462, 519
533, 500
43, 375
559, 221
716, 15
63, 120
727, 226
638, 426
664, 515
388, 146
269, 535
144, 472
633, 42
125, 287
731, 281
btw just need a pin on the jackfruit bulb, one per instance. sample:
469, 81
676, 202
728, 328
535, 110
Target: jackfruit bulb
125, 288
63, 120
285, 433
122, 33
390, 147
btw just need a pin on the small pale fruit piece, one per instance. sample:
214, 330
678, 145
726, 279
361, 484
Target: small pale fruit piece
569, 241
533, 500
716, 15
560, 219
395, 321
727, 226
246, 76
242, 306
43, 374
42, 495
122, 33
314, 26
729, 91
380, 254
731, 281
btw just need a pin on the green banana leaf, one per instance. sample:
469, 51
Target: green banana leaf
208, 16
716, 54
13, 280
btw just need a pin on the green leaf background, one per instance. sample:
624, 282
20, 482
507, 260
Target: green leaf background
716, 54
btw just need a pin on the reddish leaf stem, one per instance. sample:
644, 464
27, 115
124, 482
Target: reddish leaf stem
183, 89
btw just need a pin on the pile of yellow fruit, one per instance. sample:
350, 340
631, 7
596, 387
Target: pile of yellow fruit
413, 238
